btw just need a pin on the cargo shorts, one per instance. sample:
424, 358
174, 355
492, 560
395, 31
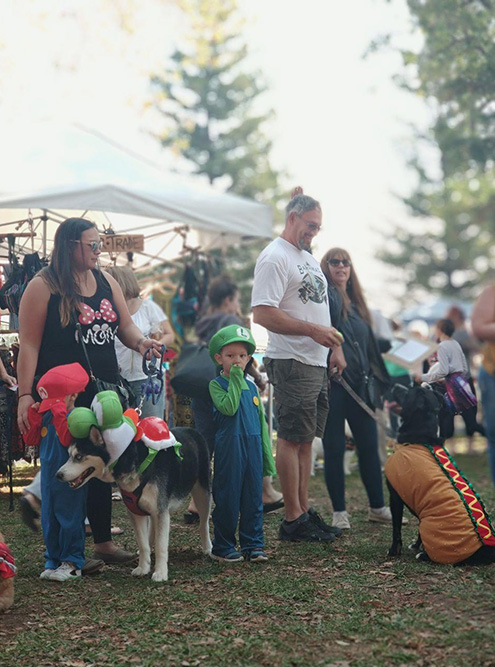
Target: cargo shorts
300, 395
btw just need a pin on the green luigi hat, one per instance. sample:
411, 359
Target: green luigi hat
231, 334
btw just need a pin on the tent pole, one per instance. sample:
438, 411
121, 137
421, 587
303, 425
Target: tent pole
45, 219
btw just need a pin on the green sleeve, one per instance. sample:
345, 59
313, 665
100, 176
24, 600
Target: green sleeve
227, 402
268, 461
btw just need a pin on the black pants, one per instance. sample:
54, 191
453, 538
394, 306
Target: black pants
99, 510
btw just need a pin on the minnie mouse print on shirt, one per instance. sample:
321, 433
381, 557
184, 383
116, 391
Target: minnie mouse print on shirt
99, 331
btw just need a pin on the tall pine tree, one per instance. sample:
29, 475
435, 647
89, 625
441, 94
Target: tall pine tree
209, 105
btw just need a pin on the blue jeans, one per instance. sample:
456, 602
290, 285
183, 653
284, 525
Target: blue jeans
487, 386
364, 431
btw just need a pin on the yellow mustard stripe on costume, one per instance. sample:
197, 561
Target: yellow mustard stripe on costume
474, 506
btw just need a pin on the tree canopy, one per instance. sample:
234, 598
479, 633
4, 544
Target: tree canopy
450, 251
210, 104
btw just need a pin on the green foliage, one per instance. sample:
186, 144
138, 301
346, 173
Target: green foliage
209, 103
449, 251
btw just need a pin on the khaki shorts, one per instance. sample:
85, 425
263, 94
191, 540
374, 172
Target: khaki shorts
301, 398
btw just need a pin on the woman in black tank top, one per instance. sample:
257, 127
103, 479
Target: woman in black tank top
73, 288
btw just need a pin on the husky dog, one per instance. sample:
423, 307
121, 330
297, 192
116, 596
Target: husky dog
161, 488
7, 571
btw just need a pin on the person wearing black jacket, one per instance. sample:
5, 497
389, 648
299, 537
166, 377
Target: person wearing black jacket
367, 376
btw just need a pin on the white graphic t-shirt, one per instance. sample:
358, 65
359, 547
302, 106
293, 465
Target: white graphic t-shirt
292, 280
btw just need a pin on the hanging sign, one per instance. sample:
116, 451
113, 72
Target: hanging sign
115, 243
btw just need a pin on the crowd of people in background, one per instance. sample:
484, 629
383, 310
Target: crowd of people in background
324, 360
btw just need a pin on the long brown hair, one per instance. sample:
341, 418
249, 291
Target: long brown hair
352, 294
59, 275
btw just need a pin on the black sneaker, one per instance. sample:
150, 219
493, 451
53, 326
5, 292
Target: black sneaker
303, 530
319, 523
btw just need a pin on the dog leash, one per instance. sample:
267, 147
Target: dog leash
153, 385
335, 376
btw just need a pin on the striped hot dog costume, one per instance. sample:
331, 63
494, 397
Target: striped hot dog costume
453, 522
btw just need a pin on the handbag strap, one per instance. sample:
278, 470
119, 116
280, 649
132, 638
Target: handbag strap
86, 355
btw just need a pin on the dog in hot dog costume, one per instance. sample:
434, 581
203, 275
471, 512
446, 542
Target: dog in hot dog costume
454, 526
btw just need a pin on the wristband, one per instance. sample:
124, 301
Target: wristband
28, 394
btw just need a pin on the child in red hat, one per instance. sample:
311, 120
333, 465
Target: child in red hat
63, 509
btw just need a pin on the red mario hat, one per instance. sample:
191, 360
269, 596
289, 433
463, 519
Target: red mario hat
59, 382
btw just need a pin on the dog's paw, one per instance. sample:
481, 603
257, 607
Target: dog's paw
140, 571
160, 575
423, 557
207, 548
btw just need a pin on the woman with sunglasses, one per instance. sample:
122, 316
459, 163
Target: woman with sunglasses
73, 290
350, 315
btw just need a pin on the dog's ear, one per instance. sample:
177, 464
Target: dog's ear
95, 436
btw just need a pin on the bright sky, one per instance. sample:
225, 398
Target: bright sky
341, 125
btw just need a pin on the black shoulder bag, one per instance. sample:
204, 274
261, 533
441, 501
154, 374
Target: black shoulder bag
122, 388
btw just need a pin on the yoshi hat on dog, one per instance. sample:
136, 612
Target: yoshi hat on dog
231, 334
59, 382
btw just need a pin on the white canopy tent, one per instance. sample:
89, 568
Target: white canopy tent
53, 172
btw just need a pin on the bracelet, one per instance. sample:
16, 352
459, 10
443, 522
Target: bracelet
28, 394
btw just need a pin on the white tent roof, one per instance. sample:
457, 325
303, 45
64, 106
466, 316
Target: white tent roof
74, 171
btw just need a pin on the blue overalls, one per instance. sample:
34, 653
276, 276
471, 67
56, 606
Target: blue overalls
238, 475
63, 509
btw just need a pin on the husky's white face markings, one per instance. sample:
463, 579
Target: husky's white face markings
80, 468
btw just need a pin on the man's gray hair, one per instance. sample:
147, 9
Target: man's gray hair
301, 204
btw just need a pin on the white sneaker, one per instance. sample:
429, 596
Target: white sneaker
65, 571
382, 515
47, 574
341, 520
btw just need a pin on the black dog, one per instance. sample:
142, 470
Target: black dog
422, 475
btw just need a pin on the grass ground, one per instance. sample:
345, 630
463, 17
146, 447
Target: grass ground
342, 604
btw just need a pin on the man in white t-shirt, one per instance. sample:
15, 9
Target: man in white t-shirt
290, 300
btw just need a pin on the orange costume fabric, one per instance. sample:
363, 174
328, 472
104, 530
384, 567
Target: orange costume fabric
446, 529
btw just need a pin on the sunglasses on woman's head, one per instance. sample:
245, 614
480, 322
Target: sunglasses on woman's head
96, 246
338, 262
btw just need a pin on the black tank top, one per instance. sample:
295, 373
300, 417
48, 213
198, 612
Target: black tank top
99, 321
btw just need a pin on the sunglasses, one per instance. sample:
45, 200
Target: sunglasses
313, 227
96, 246
338, 262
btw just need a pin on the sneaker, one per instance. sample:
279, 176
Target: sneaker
255, 556
65, 572
47, 574
303, 530
232, 557
382, 515
341, 520
319, 523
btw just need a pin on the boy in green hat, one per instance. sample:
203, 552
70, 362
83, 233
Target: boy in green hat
241, 444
